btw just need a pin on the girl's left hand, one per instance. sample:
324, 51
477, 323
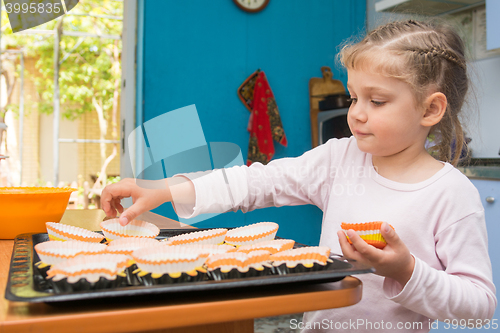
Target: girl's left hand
393, 261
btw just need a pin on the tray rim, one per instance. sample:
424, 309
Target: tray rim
189, 287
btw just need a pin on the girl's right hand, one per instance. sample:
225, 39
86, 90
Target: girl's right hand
146, 195
393, 261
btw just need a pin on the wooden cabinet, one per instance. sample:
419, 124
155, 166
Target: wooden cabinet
319, 88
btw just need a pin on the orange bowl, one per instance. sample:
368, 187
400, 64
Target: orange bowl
26, 209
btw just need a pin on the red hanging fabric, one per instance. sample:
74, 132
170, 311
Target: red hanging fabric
264, 124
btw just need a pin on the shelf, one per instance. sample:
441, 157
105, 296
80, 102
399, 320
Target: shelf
426, 7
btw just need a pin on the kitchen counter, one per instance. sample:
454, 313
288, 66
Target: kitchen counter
226, 312
482, 168
481, 172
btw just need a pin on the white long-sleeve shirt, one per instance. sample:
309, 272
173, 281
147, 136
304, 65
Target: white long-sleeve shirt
441, 221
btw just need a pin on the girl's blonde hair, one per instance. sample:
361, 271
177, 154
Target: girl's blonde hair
428, 56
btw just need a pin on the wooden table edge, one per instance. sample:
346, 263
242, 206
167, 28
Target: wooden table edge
347, 292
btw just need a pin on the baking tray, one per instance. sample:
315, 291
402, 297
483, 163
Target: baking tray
25, 283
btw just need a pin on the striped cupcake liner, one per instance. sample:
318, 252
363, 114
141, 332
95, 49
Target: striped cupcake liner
64, 232
251, 234
113, 230
211, 236
369, 232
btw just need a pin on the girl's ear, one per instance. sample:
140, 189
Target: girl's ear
435, 107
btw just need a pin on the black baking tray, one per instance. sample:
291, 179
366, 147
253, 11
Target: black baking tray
25, 283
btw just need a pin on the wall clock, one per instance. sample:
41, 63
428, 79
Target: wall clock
251, 6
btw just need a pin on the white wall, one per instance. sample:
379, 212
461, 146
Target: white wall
486, 141
485, 129
68, 152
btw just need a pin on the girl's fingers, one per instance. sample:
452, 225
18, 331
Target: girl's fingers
107, 206
114, 207
348, 250
122, 189
343, 241
390, 236
365, 250
118, 205
123, 220
133, 211
107, 200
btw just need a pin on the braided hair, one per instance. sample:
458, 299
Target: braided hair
426, 56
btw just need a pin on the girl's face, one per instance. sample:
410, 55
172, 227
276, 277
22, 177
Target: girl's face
383, 116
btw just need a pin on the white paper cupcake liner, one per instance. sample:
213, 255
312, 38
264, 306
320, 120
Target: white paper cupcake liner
212, 236
64, 232
112, 229
130, 244
54, 252
251, 234
273, 246
167, 259
258, 258
89, 267
206, 250
237, 260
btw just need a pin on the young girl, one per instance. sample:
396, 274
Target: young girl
406, 80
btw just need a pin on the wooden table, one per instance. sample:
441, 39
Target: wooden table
228, 312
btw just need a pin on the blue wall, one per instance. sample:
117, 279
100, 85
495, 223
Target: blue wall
199, 52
